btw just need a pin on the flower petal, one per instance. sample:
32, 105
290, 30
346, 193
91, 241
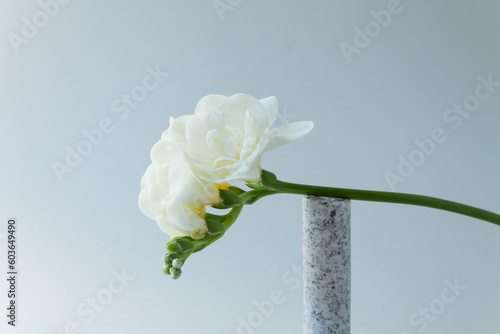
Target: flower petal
209, 103
176, 132
183, 219
240, 104
288, 133
270, 104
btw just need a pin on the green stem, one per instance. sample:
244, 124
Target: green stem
389, 197
252, 196
231, 217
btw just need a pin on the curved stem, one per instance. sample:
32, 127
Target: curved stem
231, 217
252, 196
389, 197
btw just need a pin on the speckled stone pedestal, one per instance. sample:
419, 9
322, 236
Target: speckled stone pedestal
327, 265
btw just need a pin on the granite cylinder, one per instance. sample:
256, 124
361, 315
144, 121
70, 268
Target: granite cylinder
327, 265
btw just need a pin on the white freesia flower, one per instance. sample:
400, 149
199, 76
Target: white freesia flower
225, 138
222, 141
172, 195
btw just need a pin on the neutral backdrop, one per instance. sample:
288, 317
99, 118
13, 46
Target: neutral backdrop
373, 89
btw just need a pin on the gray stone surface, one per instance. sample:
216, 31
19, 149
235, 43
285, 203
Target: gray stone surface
327, 265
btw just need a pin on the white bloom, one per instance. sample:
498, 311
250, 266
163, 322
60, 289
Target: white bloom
198, 154
225, 138
172, 195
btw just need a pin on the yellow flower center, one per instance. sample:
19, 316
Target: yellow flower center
199, 210
223, 186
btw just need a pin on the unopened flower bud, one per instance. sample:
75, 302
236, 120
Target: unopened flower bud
177, 263
166, 269
175, 272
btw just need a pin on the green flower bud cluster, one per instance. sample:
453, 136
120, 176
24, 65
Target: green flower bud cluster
173, 263
180, 248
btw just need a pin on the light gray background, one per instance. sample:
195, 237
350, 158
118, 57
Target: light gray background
74, 233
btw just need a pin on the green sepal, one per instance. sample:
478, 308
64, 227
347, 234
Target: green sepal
236, 190
200, 247
214, 227
211, 217
254, 185
228, 200
179, 244
269, 180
